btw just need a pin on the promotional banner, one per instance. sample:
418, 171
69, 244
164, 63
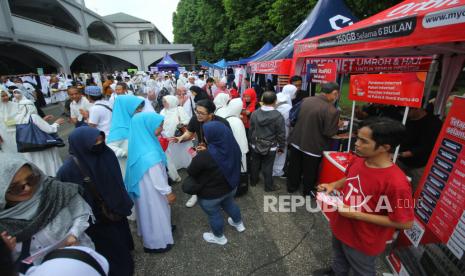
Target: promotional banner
403, 89
440, 215
359, 65
323, 72
277, 67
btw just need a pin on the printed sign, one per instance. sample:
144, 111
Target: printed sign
441, 192
404, 89
397, 28
323, 72
361, 65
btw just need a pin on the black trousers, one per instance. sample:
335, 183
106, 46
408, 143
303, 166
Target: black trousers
302, 168
265, 163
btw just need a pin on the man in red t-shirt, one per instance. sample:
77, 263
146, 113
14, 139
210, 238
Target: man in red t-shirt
377, 199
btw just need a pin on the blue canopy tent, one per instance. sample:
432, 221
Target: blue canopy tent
167, 64
220, 65
243, 61
326, 16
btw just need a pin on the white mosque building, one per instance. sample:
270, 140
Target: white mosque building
65, 36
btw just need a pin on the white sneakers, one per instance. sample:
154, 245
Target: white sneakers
210, 237
191, 202
239, 226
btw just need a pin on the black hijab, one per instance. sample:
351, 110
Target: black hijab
102, 165
201, 94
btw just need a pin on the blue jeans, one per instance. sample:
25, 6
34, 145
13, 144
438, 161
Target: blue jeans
212, 207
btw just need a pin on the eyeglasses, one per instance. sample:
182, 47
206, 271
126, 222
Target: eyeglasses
17, 188
200, 113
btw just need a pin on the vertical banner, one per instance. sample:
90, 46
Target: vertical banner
440, 196
403, 89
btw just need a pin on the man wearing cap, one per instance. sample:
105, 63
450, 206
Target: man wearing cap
317, 122
200, 82
99, 115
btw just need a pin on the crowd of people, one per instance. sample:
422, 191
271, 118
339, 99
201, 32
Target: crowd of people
133, 135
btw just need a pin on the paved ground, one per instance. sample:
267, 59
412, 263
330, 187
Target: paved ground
292, 243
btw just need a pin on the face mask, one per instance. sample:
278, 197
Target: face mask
98, 148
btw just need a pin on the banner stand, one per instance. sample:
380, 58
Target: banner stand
351, 127
404, 121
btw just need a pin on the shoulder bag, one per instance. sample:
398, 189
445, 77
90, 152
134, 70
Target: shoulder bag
30, 138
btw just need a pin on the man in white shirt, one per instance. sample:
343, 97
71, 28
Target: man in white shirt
182, 80
99, 115
191, 82
200, 82
120, 89
79, 105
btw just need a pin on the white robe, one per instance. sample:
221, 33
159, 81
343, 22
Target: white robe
280, 159
48, 160
152, 209
176, 153
8, 112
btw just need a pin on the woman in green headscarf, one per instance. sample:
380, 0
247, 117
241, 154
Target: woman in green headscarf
37, 211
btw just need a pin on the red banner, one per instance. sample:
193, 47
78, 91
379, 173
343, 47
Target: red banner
276, 67
403, 89
323, 72
441, 191
376, 64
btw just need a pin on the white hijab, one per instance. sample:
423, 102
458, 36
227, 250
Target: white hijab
8, 110
70, 267
233, 112
221, 101
289, 90
174, 115
283, 107
25, 109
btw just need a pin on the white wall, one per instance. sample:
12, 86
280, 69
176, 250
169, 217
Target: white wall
30, 28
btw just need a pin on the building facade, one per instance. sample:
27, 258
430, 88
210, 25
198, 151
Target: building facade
65, 36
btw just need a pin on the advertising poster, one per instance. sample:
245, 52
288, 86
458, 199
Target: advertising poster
403, 89
323, 72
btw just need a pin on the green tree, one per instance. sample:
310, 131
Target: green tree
367, 8
286, 15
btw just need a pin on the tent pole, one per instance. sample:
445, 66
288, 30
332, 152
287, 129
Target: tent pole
404, 120
433, 70
351, 125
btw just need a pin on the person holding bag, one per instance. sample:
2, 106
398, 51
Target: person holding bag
214, 175
94, 166
176, 120
48, 160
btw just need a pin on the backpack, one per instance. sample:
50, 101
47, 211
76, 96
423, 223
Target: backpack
163, 92
294, 113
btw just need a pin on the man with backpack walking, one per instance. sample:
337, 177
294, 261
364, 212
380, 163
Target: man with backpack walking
267, 138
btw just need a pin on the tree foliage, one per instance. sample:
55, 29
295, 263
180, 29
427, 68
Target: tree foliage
237, 28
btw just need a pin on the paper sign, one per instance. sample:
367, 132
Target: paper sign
404, 89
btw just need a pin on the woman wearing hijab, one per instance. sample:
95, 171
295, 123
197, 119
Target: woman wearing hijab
124, 108
112, 239
37, 211
221, 102
249, 101
147, 182
176, 154
198, 93
234, 119
290, 91
283, 106
48, 160
8, 112
217, 173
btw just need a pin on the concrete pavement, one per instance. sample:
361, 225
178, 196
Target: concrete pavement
288, 243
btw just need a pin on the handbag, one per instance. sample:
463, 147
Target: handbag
106, 215
180, 127
243, 187
30, 138
190, 186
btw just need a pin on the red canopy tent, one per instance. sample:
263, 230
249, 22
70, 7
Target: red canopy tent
411, 28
